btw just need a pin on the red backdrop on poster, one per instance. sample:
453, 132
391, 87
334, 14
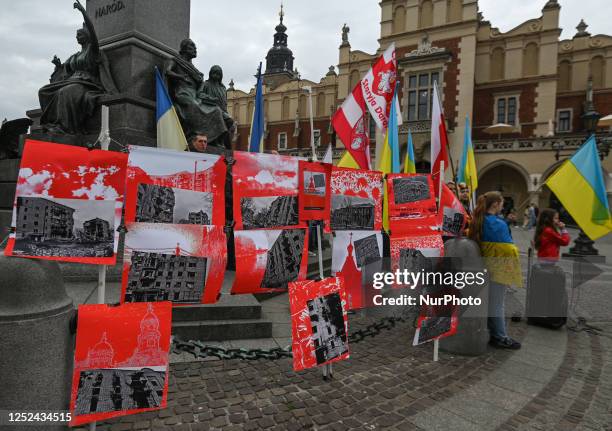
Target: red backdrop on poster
120, 360
266, 260
315, 190
452, 216
182, 263
67, 204
356, 200
319, 325
414, 253
265, 191
436, 322
166, 186
412, 204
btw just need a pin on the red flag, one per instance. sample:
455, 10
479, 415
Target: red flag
378, 86
349, 123
439, 138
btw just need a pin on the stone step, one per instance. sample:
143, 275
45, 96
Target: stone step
232, 307
222, 330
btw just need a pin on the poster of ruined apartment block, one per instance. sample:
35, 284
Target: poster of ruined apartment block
318, 322
315, 190
68, 203
452, 214
412, 204
120, 360
184, 264
415, 253
174, 187
356, 200
267, 260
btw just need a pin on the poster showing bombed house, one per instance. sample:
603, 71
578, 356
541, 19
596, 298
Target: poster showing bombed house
356, 256
319, 325
412, 204
265, 191
436, 323
267, 260
165, 186
415, 253
356, 200
67, 204
315, 190
120, 360
452, 215
184, 264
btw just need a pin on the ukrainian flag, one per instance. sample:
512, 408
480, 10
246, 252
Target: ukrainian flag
389, 157
257, 122
409, 165
467, 168
580, 187
170, 133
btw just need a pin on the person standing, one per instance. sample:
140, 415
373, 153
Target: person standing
550, 236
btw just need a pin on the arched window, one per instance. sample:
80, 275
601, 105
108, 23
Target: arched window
531, 59
498, 64
303, 107
399, 19
598, 71
565, 76
455, 10
321, 108
353, 79
285, 108
426, 16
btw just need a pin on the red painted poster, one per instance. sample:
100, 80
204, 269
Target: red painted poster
181, 263
356, 200
67, 204
265, 191
175, 187
315, 190
415, 253
120, 360
452, 216
412, 204
319, 326
267, 260
436, 322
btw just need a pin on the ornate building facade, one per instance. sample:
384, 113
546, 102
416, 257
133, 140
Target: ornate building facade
526, 77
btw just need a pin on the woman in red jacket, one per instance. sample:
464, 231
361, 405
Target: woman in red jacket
550, 235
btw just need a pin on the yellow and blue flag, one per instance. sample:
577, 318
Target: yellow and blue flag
467, 167
580, 187
257, 122
409, 164
170, 133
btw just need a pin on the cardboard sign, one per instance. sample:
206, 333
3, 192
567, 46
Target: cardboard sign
452, 216
412, 204
120, 360
319, 325
415, 253
315, 190
67, 204
436, 322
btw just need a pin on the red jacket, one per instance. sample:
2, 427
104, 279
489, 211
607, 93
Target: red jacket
550, 243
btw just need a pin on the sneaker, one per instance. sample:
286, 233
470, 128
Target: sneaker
506, 343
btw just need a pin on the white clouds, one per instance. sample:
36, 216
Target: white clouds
34, 184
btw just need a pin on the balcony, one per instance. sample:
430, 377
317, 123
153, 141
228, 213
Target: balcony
564, 142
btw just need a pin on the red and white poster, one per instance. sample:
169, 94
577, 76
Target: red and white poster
356, 200
319, 325
356, 255
174, 187
378, 86
267, 260
436, 322
415, 253
67, 204
184, 263
315, 190
120, 360
412, 204
451, 216
265, 191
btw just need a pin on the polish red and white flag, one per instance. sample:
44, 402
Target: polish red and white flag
439, 138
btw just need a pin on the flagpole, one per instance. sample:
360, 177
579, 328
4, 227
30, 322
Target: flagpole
450, 157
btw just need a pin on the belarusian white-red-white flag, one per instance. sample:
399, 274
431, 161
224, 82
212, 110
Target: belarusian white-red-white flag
439, 139
378, 85
349, 122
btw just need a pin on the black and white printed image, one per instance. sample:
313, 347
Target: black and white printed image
452, 221
159, 204
328, 330
165, 277
64, 227
432, 327
367, 250
284, 259
314, 183
272, 211
351, 213
117, 389
410, 189
413, 260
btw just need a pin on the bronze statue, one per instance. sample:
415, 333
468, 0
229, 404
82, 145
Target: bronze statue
76, 85
201, 105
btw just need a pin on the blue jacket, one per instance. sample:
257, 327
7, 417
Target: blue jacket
495, 229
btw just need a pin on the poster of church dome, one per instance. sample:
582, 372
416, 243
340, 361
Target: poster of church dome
356, 200
415, 253
265, 188
68, 203
356, 256
165, 186
120, 360
184, 264
319, 325
267, 260
315, 190
412, 204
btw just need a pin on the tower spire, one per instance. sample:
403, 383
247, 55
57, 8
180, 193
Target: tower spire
281, 13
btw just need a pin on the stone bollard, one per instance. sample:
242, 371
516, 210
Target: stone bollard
36, 351
472, 334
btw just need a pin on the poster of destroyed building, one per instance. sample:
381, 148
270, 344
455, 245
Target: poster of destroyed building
267, 260
319, 324
184, 264
453, 217
120, 360
415, 253
356, 256
412, 204
159, 204
431, 328
315, 187
67, 204
356, 200
265, 191
165, 186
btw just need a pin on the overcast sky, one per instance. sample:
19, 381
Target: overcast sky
235, 34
